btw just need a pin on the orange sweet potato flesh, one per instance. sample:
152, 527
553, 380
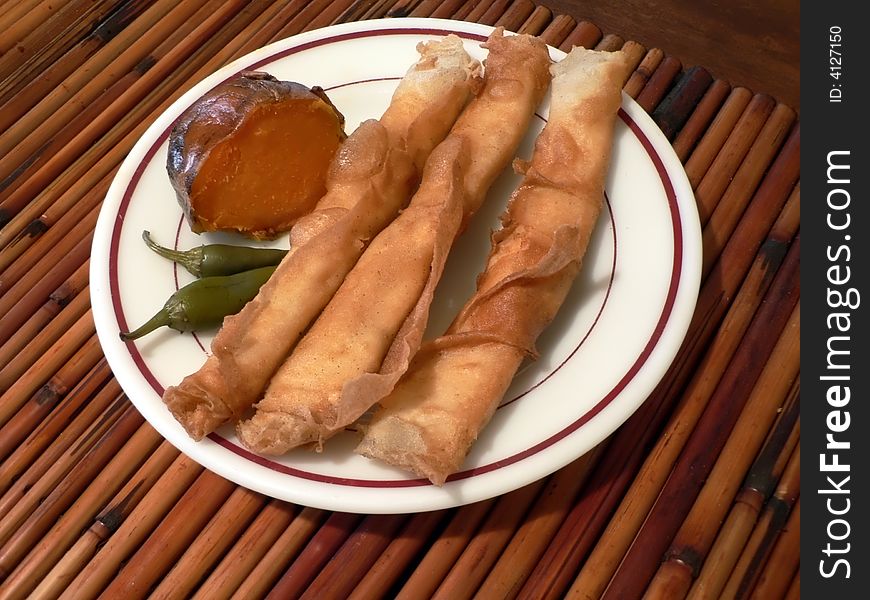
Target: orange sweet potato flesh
252, 155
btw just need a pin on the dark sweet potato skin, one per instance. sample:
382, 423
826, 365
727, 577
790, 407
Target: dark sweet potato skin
216, 116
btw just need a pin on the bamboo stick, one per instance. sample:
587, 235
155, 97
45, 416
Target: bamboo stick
66, 377
627, 449
57, 161
86, 84
558, 29
24, 495
512, 17
635, 54
43, 368
794, 590
728, 160
770, 196
584, 34
95, 168
700, 119
40, 329
788, 448
32, 268
72, 286
709, 434
248, 552
82, 168
358, 10
444, 551
336, 14
379, 11
659, 83
395, 558
24, 358
761, 482
320, 548
234, 41
28, 293
579, 530
437, 8
519, 558
672, 112
49, 39
35, 11
355, 557
84, 128
131, 15
774, 581
266, 27
651, 478
537, 22
25, 204
637, 80
316, 13
757, 550
33, 412
5, 4
83, 504
58, 220
638, 500
175, 533
402, 8
610, 43
43, 449
463, 13
202, 554
101, 159
121, 537
488, 12
291, 542
84, 388
67, 51
695, 536
744, 182
66, 490
66, 293
700, 161
483, 549
393, 9
124, 501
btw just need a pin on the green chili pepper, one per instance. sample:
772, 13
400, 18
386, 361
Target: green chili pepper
205, 302
218, 259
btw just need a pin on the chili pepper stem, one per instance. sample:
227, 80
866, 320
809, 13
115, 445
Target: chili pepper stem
161, 319
185, 259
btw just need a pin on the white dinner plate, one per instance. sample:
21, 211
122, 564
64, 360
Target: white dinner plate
613, 340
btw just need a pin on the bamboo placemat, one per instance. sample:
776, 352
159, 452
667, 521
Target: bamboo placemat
695, 496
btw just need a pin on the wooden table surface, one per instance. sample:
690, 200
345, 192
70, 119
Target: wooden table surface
751, 43
696, 495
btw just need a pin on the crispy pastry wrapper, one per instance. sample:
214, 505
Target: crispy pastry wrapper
429, 422
353, 351
364, 340
371, 178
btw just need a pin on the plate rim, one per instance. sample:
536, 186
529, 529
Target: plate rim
606, 419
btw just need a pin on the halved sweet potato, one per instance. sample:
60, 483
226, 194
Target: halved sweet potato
252, 155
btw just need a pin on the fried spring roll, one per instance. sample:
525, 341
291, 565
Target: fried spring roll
371, 178
429, 422
364, 340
